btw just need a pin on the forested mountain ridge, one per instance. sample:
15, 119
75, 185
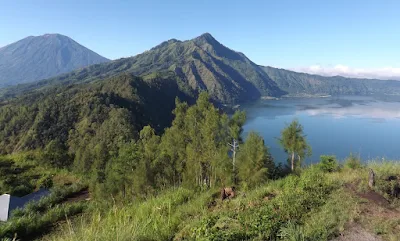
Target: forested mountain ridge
230, 77
300, 84
77, 118
109, 95
40, 57
201, 64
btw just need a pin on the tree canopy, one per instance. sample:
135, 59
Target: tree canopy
294, 142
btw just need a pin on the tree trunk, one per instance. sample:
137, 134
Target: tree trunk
292, 161
371, 181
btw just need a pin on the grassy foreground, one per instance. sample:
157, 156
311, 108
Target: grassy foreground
314, 205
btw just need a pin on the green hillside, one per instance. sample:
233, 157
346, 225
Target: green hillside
77, 118
201, 63
145, 185
229, 77
314, 205
301, 84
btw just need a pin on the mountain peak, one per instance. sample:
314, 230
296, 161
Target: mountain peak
52, 35
49, 35
206, 38
40, 57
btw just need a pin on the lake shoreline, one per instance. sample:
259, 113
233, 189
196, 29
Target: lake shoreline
338, 125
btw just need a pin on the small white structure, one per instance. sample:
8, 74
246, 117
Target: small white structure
8, 203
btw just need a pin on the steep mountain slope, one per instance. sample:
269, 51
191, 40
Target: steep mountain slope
80, 117
201, 64
41, 57
301, 84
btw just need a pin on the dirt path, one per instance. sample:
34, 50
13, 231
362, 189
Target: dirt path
370, 196
79, 196
375, 207
357, 233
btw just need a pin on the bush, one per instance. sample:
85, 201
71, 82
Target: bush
45, 182
352, 162
328, 163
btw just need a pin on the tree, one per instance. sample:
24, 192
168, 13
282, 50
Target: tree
236, 123
294, 142
56, 155
173, 145
196, 145
120, 170
328, 163
255, 163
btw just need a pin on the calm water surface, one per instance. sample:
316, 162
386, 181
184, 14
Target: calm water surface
368, 126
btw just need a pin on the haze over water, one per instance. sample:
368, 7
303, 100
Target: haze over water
339, 125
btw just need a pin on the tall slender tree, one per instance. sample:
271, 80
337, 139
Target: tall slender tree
294, 142
255, 164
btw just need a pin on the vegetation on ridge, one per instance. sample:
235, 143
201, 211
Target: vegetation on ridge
313, 205
204, 64
165, 186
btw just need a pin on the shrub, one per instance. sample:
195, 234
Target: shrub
352, 162
328, 163
292, 232
45, 182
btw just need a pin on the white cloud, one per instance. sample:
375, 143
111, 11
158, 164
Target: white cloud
343, 70
373, 111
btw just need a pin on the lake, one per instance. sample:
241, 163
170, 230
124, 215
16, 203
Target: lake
339, 125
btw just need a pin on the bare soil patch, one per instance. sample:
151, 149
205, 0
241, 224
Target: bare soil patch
78, 196
357, 233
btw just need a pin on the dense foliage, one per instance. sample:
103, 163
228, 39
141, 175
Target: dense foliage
255, 164
20, 175
73, 123
193, 152
328, 163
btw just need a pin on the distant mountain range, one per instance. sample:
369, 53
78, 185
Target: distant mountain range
203, 63
112, 101
41, 57
302, 84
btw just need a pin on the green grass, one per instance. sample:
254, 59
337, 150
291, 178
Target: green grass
22, 173
38, 217
185, 214
157, 218
315, 205
33, 224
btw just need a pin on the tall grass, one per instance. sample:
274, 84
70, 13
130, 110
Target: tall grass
314, 205
33, 224
157, 218
56, 196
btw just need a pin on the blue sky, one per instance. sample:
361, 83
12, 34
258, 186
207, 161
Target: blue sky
356, 34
